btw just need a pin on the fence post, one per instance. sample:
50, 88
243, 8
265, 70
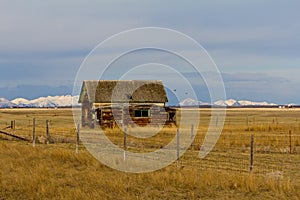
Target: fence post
252, 154
125, 142
77, 138
192, 135
96, 119
178, 147
47, 132
33, 132
290, 136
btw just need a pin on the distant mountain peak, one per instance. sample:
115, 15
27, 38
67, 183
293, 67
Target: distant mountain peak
20, 101
5, 103
225, 103
49, 101
229, 102
192, 102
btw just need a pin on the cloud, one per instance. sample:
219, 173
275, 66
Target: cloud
58, 25
76, 24
252, 77
34, 91
255, 44
250, 86
261, 87
255, 87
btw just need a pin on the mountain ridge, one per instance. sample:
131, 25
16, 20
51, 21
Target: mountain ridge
41, 102
225, 103
67, 101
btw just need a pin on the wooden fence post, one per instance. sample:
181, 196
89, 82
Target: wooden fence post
77, 138
290, 136
252, 154
33, 132
125, 142
47, 132
95, 120
178, 147
192, 135
14, 126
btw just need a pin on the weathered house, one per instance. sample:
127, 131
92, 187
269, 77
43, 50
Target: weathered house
124, 102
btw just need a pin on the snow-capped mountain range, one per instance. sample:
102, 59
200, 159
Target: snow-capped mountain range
50, 101
227, 103
4, 103
66, 101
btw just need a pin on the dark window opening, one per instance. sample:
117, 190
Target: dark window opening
141, 113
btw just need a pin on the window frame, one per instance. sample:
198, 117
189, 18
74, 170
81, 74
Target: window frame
141, 113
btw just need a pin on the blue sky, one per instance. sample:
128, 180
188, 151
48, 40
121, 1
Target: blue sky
255, 44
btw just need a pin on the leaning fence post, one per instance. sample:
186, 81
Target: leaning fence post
47, 132
125, 142
77, 138
252, 154
33, 132
178, 147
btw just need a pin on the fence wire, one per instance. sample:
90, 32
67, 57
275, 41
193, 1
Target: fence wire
276, 140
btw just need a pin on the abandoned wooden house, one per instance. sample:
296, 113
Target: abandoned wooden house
124, 102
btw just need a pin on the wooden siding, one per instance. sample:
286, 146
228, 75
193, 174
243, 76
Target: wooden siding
87, 114
124, 116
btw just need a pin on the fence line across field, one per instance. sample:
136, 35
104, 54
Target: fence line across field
254, 155
272, 140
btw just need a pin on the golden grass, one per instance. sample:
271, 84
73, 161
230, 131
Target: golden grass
55, 171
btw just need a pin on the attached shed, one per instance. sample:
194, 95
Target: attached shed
124, 102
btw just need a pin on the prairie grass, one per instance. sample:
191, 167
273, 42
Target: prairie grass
55, 171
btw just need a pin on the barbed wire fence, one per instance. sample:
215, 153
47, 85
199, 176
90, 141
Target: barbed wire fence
276, 145
55, 133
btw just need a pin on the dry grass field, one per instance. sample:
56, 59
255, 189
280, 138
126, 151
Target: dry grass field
55, 171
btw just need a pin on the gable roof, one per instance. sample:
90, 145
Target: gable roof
120, 91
